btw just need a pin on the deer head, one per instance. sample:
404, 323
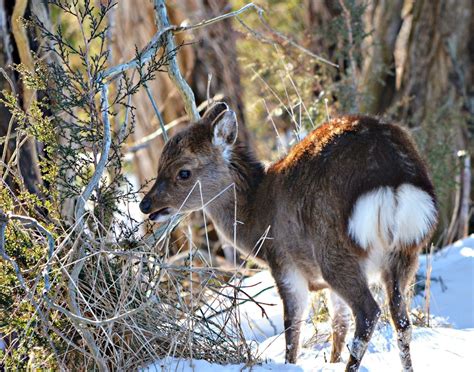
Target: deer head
193, 167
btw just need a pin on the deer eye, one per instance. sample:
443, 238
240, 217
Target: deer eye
183, 174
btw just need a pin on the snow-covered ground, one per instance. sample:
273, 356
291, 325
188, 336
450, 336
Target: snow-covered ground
452, 283
446, 346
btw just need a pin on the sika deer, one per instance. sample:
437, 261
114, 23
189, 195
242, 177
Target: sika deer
349, 204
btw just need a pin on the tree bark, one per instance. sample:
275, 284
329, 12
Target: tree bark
384, 19
6, 59
216, 56
16, 49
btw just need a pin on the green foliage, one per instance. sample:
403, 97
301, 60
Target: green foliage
17, 316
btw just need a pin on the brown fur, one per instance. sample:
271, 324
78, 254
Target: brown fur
306, 200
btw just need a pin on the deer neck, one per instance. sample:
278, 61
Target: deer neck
234, 214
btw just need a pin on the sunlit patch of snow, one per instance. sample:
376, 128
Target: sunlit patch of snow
452, 283
433, 349
467, 252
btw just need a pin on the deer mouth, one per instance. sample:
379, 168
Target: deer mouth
161, 215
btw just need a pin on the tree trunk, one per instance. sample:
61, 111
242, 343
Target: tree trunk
6, 59
385, 19
16, 49
419, 72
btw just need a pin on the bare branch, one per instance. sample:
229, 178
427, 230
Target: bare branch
162, 21
99, 170
157, 42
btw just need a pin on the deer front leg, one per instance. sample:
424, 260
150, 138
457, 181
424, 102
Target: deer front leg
293, 289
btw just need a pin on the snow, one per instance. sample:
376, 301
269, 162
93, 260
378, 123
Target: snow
452, 283
433, 349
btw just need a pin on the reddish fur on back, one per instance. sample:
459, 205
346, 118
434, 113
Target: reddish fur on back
315, 141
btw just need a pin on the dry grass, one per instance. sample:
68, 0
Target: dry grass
141, 305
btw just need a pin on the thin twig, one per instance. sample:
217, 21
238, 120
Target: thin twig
157, 112
279, 38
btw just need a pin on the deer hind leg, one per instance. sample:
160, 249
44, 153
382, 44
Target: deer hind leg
293, 289
396, 279
344, 275
340, 319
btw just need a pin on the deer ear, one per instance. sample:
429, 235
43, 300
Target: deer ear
214, 111
225, 130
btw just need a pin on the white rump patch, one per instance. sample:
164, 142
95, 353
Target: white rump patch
392, 217
416, 215
372, 218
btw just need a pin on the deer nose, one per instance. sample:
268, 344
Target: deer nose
145, 205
